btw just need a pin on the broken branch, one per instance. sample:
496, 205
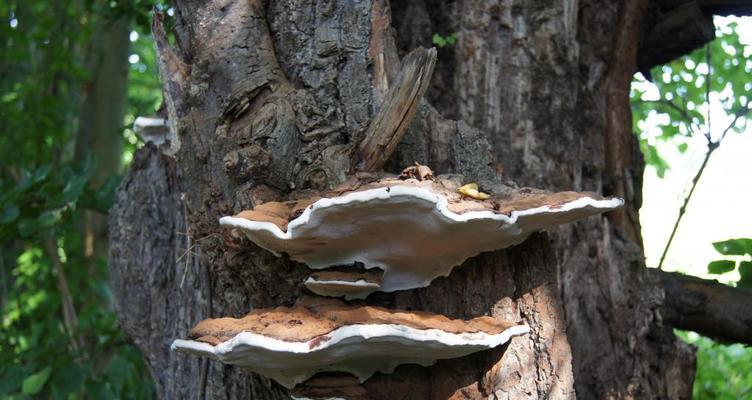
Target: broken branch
174, 74
397, 111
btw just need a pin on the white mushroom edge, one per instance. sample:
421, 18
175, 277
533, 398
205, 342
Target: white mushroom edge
358, 289
361, 350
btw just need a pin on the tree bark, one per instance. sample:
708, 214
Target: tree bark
269, 100
534, 77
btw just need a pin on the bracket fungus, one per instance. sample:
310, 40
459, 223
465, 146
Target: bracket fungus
414, 230
347, 284
152, 129
290, 345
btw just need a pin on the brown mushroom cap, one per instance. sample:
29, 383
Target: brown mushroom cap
315, 317
281, 213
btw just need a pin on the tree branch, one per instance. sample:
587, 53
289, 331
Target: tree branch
70, 320
681, 110
715, 7
707, 307
397, 111
686, 25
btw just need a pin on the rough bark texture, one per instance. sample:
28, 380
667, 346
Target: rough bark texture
533, 77
267, 100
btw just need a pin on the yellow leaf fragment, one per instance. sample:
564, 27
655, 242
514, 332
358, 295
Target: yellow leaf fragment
471, 190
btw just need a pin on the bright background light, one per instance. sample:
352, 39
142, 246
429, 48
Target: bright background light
720, 208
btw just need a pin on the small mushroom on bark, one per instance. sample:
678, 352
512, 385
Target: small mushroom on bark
351, 285
152, 129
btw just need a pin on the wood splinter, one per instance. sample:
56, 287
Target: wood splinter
397, 111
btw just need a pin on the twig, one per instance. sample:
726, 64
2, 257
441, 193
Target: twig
741, 113
683, 208
681, 110
187, 261
70, 320
188, 252
712, 146
707, 89
3, 285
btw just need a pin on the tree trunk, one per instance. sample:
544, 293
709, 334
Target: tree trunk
269, 99
100, 121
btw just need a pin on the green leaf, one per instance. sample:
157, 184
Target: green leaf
10, 213
49, 218
34, 383
734, 247
652, 157
682, 147
27, 226
73, 188
10, 380
41, 173
9, 97
721, 266
669, 131
745, 270
438, 40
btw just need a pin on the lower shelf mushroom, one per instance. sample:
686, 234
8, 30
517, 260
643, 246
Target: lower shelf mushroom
290, 345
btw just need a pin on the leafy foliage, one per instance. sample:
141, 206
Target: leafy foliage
682, 102
723, 371
735, 250
679, 102
144, 89
734, 247
45, 189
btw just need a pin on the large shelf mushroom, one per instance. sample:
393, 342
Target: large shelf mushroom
414, 230
290, 345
